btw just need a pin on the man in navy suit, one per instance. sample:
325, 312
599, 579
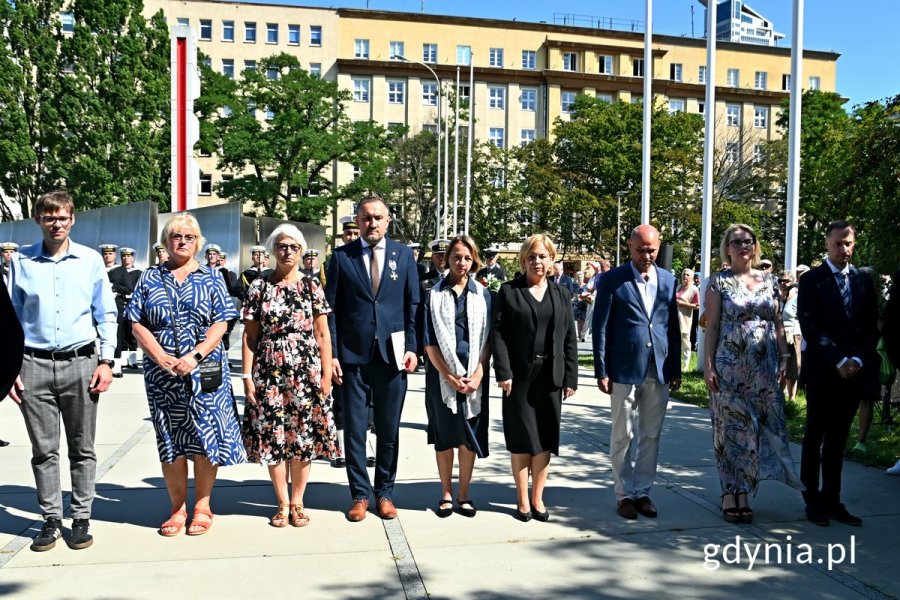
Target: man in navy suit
561, 279
373, 290
838, 311
636, 361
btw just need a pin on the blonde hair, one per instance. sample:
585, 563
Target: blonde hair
529, 245
176, 223
726, 238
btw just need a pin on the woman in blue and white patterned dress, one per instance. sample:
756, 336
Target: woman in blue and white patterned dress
189, 423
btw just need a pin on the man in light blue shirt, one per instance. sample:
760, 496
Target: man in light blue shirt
61, 295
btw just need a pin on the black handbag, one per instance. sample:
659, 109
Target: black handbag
210, 370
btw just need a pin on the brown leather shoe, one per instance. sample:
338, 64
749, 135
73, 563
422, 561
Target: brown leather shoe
386, 509
359, 509
627, 509
646, 507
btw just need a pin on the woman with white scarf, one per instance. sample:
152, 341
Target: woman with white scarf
456, 338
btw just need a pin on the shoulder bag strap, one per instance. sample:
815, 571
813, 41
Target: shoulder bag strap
171, 313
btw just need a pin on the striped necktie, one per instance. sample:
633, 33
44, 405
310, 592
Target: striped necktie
844, 288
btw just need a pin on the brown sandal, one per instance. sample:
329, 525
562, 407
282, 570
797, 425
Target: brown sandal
202, 526
280, 519
174, 527
298, 517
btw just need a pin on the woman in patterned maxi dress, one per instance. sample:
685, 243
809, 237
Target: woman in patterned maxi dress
746, 357
288, 418
189, 423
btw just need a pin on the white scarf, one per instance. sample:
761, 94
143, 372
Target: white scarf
443, 316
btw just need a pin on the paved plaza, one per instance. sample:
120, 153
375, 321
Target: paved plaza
585, 551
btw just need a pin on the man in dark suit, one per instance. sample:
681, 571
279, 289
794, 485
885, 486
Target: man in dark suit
256, 269
373, 290
560, 278
637, 341
838, 311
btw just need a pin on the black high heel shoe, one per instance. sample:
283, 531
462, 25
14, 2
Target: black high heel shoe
543, 517
522, 516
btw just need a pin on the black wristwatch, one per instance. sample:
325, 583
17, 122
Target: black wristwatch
108, 362
198, 357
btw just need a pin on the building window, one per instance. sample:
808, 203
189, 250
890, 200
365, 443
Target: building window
464, 92
205, 30
675, 72
733, 115
315, 69
786, 82
361, 49
676, 106
495, 57
227, 31
734, 78
637, 67
529, 59
701, 107
272, 73
568, 101
271, 33
360, 90
761, 117
429, 53
606, 65
463, 55
251, 108
270, 114
396, 92
429, 94
249, 65
315, 35
67, 22
607, 98
701, 74
761, 80
396, 49
293, 35
184, 21
757, 153
495, 136
250, 32
528, 99
205, 184
528, 136
731, 152
815, 83
430, 127
496, 97
357, 172
570, 61
228, 68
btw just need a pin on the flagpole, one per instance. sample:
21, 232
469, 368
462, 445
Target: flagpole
469, 140
456, 158
648, 109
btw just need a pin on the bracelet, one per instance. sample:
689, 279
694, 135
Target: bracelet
246, 376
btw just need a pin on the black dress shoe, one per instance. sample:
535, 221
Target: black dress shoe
370, 461
839, 513
645, 507
627, 509
444, 509
816, 516
338, 462
543, 517
3, 443
466, 507
522, 516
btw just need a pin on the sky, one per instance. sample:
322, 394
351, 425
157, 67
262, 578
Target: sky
864, 32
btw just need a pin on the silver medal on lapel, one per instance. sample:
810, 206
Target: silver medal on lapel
392, 265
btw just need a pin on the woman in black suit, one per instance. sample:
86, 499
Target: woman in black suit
536, 364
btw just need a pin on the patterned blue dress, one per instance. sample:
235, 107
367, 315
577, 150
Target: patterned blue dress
194, 423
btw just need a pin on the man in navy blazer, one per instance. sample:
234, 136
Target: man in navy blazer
636, 339
373, 290
838, 310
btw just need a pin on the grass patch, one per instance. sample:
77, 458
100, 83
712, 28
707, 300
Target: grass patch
883, 446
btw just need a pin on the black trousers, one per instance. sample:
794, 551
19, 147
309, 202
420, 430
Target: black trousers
125, 340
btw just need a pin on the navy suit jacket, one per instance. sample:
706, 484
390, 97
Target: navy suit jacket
829, 332
624, 335
358, 318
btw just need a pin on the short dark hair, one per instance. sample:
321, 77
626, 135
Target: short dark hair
54, 201
370, 200
840, 226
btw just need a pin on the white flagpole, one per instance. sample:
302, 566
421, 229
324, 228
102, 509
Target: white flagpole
446, 169
456, 158
709, 148
648, 108
469, 141
793, 183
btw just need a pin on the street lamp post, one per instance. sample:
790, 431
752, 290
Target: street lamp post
619, 196
437, 215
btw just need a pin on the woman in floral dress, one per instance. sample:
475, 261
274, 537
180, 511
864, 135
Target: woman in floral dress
288, 418
746, 357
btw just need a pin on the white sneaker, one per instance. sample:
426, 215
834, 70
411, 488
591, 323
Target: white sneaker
895, 470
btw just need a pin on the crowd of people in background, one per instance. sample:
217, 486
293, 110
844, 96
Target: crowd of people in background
326, 351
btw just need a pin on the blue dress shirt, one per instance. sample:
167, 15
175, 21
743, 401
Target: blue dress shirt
63, 303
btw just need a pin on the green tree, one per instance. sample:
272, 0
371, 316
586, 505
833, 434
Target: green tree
114, 105
413, 175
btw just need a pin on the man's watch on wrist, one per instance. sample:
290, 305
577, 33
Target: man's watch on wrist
197, 357
106, 361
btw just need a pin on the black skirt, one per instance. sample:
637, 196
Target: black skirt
447, 430
532, 412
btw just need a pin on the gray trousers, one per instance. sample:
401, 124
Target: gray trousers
55, 389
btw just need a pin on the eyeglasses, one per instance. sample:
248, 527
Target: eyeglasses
51, 219
187, 239
283, 248
742, 242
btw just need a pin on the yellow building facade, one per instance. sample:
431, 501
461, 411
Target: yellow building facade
526, 74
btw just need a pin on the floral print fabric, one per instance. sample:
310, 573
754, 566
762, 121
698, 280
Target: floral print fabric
749, 434
291, 419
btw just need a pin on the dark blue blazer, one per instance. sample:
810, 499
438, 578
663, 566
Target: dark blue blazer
624, 335
358, 317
